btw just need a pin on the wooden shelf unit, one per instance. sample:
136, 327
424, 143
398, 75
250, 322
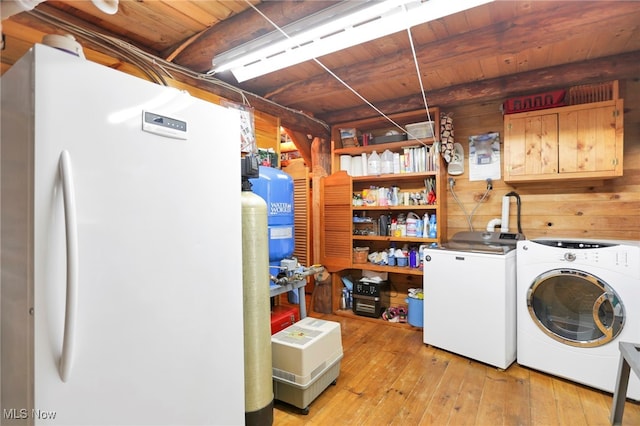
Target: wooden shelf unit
337, 209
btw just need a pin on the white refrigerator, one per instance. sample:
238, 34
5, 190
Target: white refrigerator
121, 296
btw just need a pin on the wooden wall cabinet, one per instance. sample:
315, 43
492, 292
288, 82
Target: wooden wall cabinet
573, 142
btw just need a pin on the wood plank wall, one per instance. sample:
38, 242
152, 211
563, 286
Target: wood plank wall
605, 209
267, 127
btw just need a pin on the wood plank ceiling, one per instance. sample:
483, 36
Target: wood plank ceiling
492, 51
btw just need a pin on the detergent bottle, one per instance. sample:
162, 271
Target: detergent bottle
413, 258
433, 233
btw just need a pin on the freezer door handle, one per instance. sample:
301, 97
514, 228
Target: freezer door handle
71, 232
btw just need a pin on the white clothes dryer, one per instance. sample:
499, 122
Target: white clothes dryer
576, 300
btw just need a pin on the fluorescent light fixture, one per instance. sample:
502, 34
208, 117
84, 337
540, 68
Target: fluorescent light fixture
346, 24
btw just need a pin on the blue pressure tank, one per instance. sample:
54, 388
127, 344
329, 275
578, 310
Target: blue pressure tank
276, 188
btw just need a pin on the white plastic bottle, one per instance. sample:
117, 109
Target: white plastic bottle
386, 166
425, 226
373, 164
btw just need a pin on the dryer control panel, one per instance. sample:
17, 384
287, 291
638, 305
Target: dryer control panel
575, 244
609, 254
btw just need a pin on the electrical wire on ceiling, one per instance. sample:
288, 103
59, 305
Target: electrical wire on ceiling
155, 68
424, 96
468, 217
146, 62
355, 92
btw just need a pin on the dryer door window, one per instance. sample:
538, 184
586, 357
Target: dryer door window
575, 308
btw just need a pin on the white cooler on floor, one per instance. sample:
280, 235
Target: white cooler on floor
306, 360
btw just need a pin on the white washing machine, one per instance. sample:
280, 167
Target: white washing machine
470, 296
576, 300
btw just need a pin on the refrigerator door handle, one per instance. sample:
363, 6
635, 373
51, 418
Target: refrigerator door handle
71, 232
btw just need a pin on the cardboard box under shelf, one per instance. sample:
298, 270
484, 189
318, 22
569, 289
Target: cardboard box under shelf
306, 360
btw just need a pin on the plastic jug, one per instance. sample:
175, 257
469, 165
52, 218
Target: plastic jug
412, 220
373, 164
386, 167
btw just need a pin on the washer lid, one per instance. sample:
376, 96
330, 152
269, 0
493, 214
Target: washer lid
477, 247
484, 242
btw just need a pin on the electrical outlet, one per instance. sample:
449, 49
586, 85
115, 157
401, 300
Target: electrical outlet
489, 184
452, 182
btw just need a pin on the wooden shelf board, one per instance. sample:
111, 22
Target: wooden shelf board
418, 240
393, 176
347, 313
357, 150
418, 207
382, 268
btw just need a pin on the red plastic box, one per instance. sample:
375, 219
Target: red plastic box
283, 316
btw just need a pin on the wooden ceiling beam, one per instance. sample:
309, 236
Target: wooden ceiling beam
302, 142
597, 70
502, 37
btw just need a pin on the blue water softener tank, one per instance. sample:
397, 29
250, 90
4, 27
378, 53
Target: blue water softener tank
276, 188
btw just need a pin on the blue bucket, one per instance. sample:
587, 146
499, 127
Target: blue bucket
415, 315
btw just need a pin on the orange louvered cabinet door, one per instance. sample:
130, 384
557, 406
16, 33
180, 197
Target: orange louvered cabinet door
335, 221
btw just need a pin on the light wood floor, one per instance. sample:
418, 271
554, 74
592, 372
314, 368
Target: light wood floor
389, 376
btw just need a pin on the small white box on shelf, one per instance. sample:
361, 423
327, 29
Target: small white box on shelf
420, 130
